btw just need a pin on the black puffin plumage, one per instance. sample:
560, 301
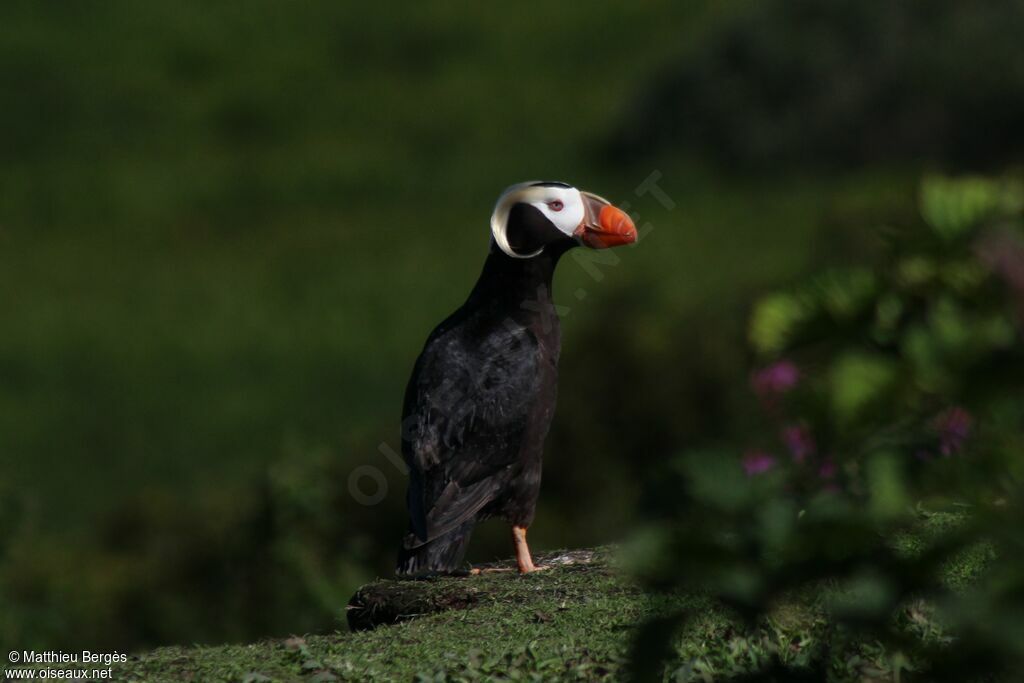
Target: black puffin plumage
482, 393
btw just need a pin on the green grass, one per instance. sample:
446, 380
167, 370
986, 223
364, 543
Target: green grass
568, 622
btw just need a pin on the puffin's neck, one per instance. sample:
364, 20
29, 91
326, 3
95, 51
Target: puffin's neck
518, 284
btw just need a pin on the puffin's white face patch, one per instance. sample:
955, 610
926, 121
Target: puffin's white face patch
563, 206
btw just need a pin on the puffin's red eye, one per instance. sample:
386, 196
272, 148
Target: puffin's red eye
556, 205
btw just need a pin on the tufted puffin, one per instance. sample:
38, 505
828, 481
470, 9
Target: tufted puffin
482, 392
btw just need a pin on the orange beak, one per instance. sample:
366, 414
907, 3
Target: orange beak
604, 225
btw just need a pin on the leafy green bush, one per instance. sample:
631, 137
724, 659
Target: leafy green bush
890, 447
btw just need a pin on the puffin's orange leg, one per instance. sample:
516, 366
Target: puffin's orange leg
523, 558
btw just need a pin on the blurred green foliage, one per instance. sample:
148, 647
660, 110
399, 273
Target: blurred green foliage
888, 402
839, 84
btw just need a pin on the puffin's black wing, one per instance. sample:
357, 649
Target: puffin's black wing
466, 409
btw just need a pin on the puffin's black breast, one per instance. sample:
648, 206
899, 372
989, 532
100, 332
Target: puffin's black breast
468, 410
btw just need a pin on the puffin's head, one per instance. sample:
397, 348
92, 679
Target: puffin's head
530, 216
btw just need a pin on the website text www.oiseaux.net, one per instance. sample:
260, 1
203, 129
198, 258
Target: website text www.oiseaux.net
32, 665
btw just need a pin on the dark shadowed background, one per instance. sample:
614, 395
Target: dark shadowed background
226, 230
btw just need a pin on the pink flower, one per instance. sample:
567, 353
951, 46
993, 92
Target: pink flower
799, 440
775, 379
828, 469
757, 462
954, 428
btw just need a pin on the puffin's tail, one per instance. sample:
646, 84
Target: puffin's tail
441, 555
